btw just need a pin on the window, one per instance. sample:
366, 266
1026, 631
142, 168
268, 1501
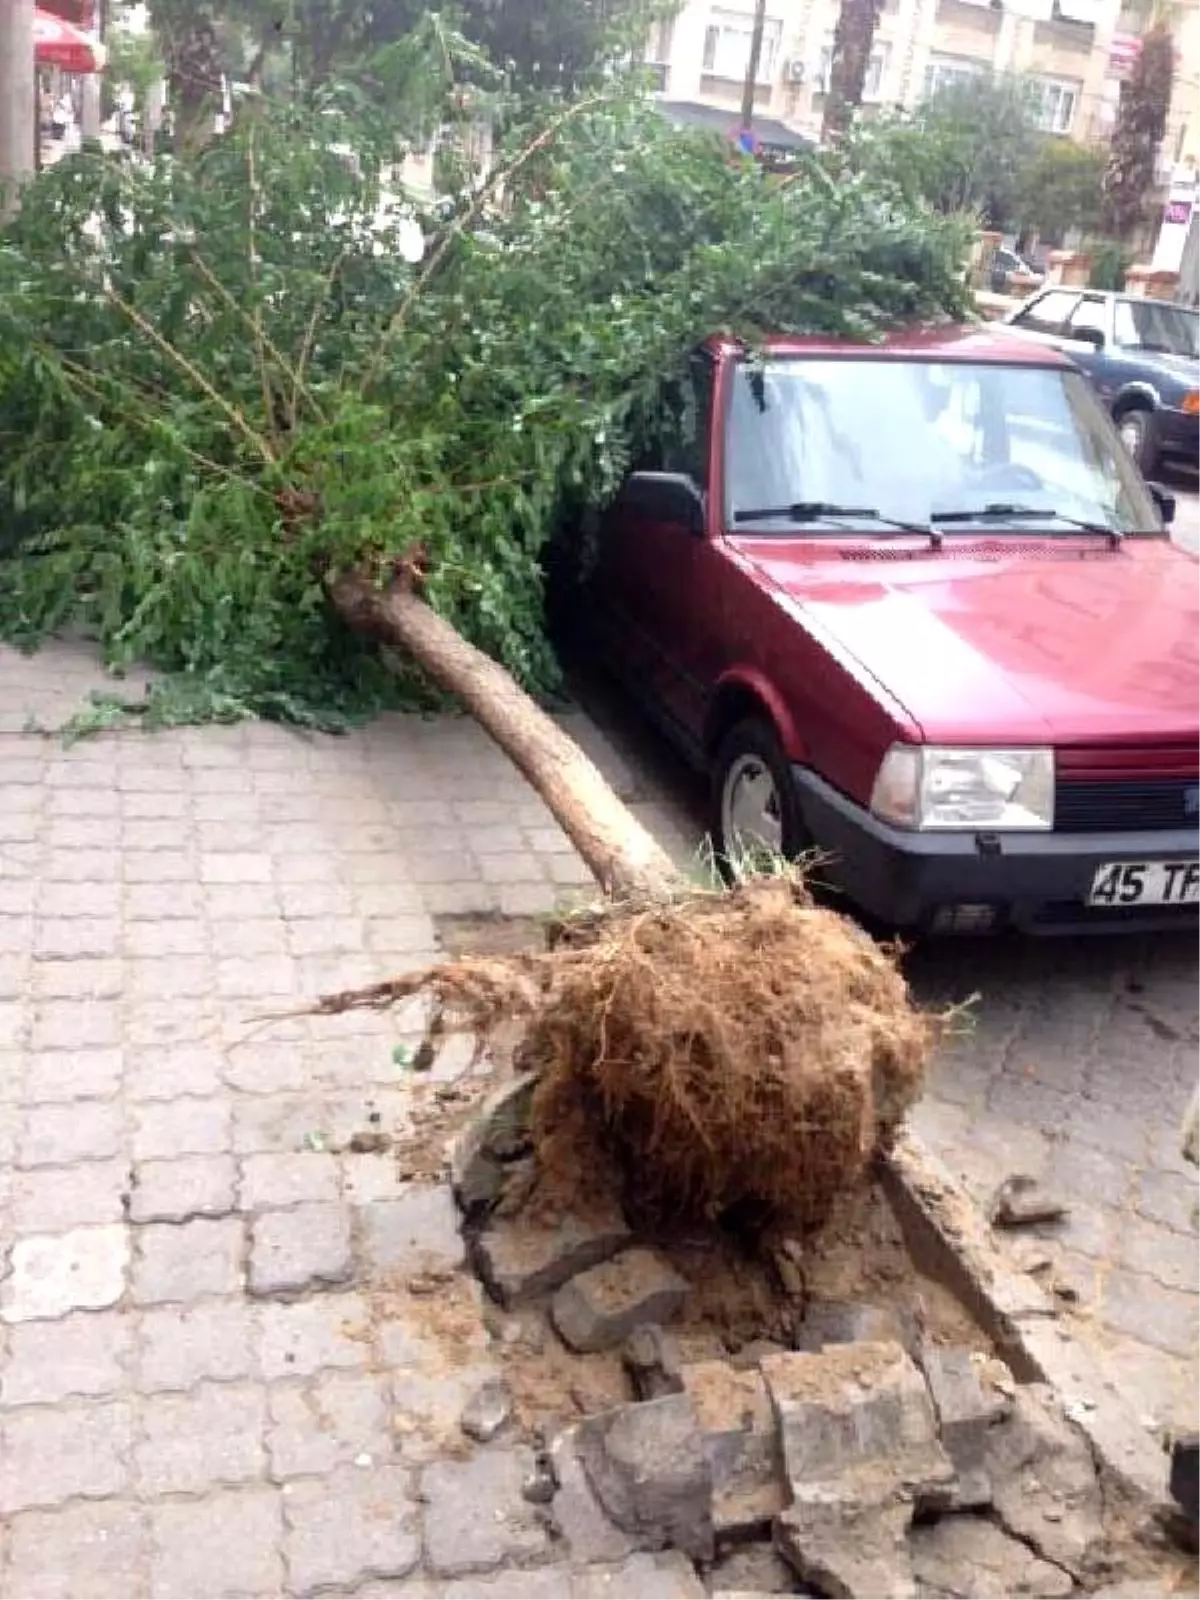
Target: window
677, 437
872, 83
1156, 326
1049, 312
1058, 102
947, 72
727, 46
1089, 314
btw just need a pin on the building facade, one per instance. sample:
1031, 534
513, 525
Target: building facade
1076, 51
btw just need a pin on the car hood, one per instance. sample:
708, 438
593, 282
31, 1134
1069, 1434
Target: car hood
1030, 643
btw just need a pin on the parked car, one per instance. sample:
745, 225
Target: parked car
1005, 263
1142, 356
912, 606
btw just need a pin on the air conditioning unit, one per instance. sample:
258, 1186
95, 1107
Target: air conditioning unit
795, 72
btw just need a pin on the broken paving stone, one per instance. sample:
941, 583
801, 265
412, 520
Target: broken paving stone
737, 1425
648, 1468
519, 1261
1020, 1202
1044, 1485
488, 1411
852, 1412
855, 1548
849, 1322
752, 1569
969, 1558
968, 1405
752, 1355
651, 1358
654, 1357
599, 1308
497, 1133
578, 1514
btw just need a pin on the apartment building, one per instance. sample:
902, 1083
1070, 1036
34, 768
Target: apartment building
1076, 51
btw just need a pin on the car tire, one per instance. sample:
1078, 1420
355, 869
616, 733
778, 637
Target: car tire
750, 755
1137, 435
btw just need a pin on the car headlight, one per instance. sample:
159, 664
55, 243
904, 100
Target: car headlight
935, 786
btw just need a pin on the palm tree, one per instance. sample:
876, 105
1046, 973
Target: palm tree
1141, 124
852, 40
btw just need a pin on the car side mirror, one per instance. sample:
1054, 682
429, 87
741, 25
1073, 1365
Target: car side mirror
1091, 336
671, 497
1165, 501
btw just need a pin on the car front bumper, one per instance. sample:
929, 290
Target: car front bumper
1036, 883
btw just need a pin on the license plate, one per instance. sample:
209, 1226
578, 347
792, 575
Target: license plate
1146, 883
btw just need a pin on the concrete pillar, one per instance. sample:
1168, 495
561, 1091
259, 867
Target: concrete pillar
1071, 268
983, 253
18, 101
1147, 284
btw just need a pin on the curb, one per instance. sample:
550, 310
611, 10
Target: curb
950, 1243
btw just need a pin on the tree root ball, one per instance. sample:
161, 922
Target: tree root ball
734, 1056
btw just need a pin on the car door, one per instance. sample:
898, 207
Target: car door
648, 570
1088, 341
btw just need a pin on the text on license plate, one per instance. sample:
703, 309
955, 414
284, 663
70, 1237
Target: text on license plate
1146, 883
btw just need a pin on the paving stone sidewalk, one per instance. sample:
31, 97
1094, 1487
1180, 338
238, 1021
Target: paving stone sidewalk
204, 1389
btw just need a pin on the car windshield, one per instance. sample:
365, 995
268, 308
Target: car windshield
909, 439
1157, 328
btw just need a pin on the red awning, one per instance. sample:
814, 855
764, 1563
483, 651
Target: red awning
58, 43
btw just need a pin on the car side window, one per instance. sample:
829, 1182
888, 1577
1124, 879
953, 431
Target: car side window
1048, 313
1089, 314
681, 430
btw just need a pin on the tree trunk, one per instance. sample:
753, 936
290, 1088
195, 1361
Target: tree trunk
751, 80
1141, 125
194, 69
621, 855
853, 37
18, 102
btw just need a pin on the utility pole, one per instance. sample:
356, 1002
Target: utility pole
18, 101
756, 43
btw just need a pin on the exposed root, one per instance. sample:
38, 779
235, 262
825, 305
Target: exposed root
737, 1055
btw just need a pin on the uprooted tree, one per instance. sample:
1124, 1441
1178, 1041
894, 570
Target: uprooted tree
258, 422
222, 378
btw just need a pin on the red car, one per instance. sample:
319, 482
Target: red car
912, 606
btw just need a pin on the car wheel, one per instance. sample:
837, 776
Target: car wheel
754, 807
1138, 438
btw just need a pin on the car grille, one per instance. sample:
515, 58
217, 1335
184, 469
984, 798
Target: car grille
1118, 805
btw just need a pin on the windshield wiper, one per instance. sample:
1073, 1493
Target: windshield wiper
1001, 511
802, 511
